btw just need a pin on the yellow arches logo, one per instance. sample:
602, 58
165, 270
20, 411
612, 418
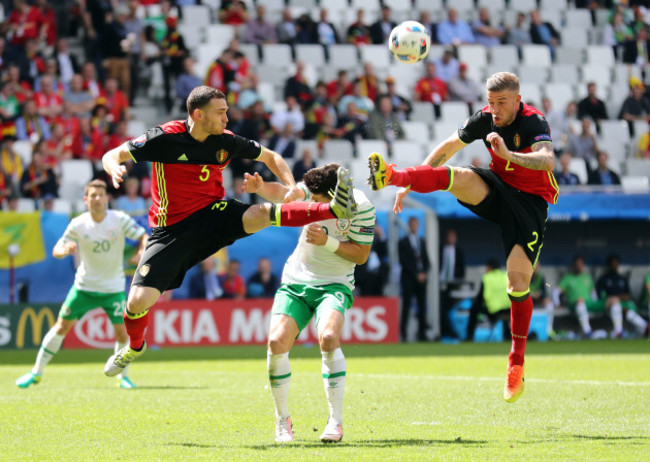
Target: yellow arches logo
37, 325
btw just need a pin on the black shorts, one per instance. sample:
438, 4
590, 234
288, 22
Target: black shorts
522, 216
174, 249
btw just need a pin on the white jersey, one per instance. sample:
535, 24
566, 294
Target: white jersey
315, 265
101, 250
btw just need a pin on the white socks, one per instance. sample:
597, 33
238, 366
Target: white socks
550, 316
637, 321
118, 347
279, 370
616, 313
334, 382
583, 317
49, 347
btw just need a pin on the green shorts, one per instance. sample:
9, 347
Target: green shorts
599, 306
79, 302
302, 301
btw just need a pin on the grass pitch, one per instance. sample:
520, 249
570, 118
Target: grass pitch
583, 401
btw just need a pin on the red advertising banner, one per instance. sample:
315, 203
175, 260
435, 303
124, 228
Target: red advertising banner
235, 322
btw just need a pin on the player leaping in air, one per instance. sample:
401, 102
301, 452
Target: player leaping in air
513, 193
189, 217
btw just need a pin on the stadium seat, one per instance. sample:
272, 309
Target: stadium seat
600, 54
196, 15
273, 6
251, 51
365, 147
474, 55
377, 55
24, 149
276, 54
309, 4
408, 153
574, 36
405, 78
637, 167
599, 73
533, 74
423, 111
559, 93
493, 5
617, 94
560, 5
367, 6
614, 130
267, 93
444, 129
569, 55
531, 93
25, 205
623, 72
76, 171
434, 6
62, 206
635, 184
311, 54
579, 167
565, 73
504, 56
454, 111
418, 131
343, 56
135, 128
301, 145
525, 5
335, 150
578, 18
553, 16
536, 55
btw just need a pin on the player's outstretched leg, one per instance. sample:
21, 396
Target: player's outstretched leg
116, 363
422, 178
343, 204
50, 346
123, 378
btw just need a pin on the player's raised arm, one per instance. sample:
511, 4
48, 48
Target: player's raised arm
112, 161
279, 167
270, 191
444, 151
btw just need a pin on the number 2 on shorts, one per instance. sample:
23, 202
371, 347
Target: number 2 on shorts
534, 241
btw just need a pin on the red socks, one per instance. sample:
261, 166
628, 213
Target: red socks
300, 213
423, 178
135, 328
520, 314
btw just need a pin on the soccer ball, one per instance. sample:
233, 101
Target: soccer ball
409, 42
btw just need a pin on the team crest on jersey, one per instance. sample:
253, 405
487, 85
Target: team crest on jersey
343, 224
517, 140
144, 270
222, 155
139, 141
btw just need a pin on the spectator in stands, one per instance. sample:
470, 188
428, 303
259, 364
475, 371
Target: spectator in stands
5, 56
414, 260
38, 179
563, 175
592, 106
91, 82
463, 88
10, 161
71, 126
298, 87
543, 33
383, 123
58, 147
256, 122
492, 300
351, 124
290, 114
617, 34
644, 146
636, 106
603, 175
186, 82
401, 106
115, 47
135, 33
23, 24
541, 298
359, 32
6, 189
431, 89
249, 94
430, 26
519, 33
49, 104
380, 30
116, 102
259, 31
9, 107
307, 32
174, 52
372, 276
304, 164
579, 293
231, 282
363, 104
22, 87
340, 87
368, 82
447, 65
284, 143
613, 291
583, 145
204, 284
454, 31
637, 50
286, 30
314, 117
233, 12
262, 283
68, 65
238, 191
131, 202
452, 274
31, 126
484, 32
327, 34
52, 71
220, 73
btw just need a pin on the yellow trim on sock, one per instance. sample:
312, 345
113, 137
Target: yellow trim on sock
275, 221
451, 179
136, 315
518, 294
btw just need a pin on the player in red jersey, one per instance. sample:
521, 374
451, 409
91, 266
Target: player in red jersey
513, 193
189, 217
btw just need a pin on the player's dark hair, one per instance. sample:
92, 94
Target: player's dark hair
95, 184
502, 81
321, 180
201, 96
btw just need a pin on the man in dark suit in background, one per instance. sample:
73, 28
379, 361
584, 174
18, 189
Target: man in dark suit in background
452, 273
204, 284
380, 30
415, 265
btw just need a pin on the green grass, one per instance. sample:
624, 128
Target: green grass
583, 401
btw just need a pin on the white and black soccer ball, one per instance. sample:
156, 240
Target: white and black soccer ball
409, 42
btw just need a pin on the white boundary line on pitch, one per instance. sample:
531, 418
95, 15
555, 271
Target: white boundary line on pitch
495, 379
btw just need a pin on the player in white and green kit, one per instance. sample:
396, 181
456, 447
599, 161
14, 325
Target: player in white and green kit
99, 236
318, 279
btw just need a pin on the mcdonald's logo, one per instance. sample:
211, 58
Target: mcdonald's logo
37, 325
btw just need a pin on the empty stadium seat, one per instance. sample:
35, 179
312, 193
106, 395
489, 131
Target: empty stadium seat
24, 149
614, 130
377, 55
135, 128
536, 55
417, 131
196, 15
637, 167
574, 36
533, 74
365, 147
578, 18
566, 54
565, 73
599, 73
408, 153
25, 205
579, 167
474, 55
559, 93
335, 150
422, 111
310, 54
504, 56
343, 56
635, 184
276, 54
454, 111
600, 54
531, 92
560, 5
